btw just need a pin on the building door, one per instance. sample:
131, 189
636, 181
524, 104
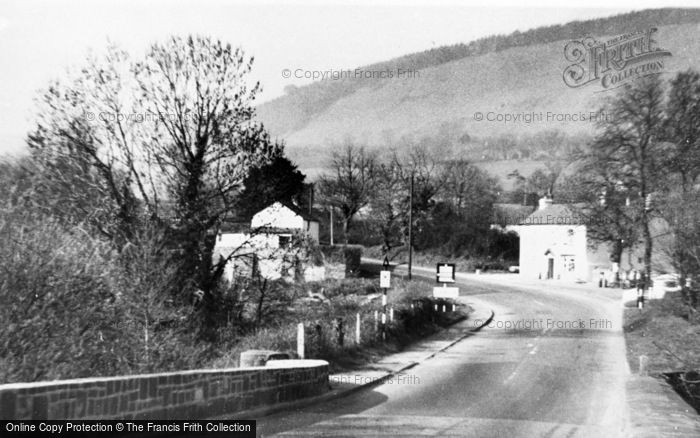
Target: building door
550, 268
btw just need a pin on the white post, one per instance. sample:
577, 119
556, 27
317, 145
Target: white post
643, 364
376, 320
391, 314
443, 308
300, 340
357, 328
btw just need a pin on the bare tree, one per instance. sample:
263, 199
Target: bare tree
683, 130
630, 143
607, 207
386, 205
350, 182
683, 163
424, 164
469, 188
169, 138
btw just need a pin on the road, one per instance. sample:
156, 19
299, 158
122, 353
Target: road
551, 363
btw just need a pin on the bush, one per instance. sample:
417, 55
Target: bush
75, 307
353, 259
360, 286
58, 316
333, 253
350, 255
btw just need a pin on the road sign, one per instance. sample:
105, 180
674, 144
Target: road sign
445, 273
445, 292
385, 279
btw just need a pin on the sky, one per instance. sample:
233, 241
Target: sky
39, 40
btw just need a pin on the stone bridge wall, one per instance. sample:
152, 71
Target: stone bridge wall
195, 394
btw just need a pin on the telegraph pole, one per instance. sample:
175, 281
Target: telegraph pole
410, 228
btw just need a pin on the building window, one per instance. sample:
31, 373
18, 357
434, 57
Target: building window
569, 264
285, 240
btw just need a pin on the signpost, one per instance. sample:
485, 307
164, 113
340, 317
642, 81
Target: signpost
385, 284
445, 273
385, 279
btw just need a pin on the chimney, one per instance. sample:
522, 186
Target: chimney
545, 202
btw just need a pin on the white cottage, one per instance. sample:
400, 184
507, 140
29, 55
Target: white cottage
265, 245
282, 220
553, 244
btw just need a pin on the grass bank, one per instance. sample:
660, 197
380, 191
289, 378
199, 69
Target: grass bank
662, 332
330, 323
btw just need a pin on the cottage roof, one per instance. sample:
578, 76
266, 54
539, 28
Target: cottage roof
554, 214
510, 214
311, 217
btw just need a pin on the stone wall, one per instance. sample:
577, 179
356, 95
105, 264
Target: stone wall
193, 394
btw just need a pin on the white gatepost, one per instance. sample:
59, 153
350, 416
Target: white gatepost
300, 340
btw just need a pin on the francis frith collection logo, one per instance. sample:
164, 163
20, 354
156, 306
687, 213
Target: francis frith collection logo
614, 62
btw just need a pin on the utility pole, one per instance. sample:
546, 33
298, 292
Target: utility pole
331, 225
410, 228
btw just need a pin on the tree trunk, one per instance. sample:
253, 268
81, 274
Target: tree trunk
346, 228
262, 287
648, 246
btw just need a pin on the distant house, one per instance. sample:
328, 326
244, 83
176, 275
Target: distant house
265, 244
554, 244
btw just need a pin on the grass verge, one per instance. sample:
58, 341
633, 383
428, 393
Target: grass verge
330, 325
661, 332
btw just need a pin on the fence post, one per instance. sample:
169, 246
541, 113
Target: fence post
300, 340
341, 331
376, 321
357, 328
391, 314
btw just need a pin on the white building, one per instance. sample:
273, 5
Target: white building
285, 219
553, 244
266, 246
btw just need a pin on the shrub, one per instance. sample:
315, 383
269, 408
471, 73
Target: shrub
353, 259
350, 255
58, 316
75, 307
333, 253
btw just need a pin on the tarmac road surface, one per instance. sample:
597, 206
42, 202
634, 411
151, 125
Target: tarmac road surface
550, 364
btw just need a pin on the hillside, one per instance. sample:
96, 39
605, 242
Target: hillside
516, 74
